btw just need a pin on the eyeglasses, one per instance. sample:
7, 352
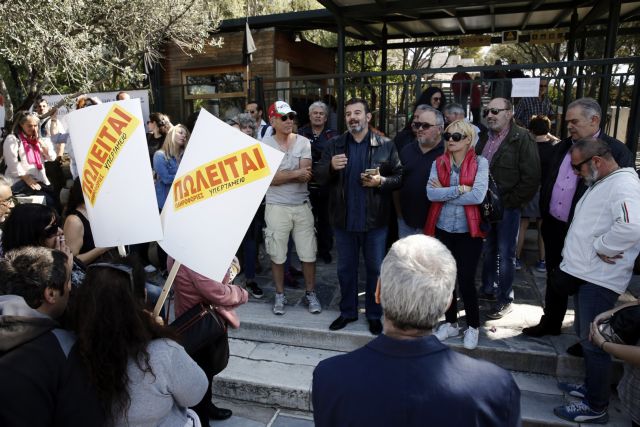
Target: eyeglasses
456, 136
250, 111
494, 111
127, 269
8, 202
52, 229
290, 116
438, 99
420, 125
579, 165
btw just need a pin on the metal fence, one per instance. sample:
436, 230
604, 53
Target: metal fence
392, 94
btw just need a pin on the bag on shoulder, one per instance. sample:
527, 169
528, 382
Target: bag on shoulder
198, 326
491, 208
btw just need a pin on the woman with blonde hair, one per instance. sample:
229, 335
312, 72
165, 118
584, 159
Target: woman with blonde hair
165, 166
457, 185
167, 159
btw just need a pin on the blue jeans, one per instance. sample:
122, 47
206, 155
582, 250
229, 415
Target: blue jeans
349, 244
500, 257
404, 230
590, 301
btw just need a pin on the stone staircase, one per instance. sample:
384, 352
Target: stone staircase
273, 357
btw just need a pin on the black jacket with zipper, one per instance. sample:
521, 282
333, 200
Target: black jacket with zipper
381, 153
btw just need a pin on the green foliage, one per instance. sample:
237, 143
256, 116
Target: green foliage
79, 45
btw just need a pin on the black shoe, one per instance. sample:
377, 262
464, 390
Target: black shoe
340, 323
375, 326
219, 414
486, 297
575, 350
254, 289
499, 311
326, 257
540, 330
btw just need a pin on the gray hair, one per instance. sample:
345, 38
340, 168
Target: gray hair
319, 104
454, 108
417, 278
428, 108
590, 107
244, 120
590, 147
4, 181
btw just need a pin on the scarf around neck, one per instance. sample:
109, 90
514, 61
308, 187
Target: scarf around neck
31, 149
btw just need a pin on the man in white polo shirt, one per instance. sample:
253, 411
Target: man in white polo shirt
288, 210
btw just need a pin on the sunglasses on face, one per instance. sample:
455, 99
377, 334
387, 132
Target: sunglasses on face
437, 99
290, 116
578, 166
420, 125
250, 111
456, 136
494, 111
52, 229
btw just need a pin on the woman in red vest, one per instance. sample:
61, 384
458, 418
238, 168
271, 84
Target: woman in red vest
457, 185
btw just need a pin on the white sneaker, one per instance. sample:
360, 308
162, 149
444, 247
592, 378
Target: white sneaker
278, 304
311, 299
447, 330
470, 340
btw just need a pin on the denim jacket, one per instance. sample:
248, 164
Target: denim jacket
452, 218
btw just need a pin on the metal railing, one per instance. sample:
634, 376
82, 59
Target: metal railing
392, 94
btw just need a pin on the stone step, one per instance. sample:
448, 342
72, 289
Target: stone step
275, 375
500, 341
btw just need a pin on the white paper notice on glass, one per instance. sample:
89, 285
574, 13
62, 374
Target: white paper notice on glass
110, 148
221, 180
525, 88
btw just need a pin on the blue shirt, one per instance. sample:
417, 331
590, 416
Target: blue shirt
356, 193
452, 217
165, 171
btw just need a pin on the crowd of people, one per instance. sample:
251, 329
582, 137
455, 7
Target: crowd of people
61, 295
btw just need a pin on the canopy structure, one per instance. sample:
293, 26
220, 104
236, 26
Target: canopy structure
388, 24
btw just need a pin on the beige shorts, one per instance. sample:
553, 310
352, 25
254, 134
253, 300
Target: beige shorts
283, 220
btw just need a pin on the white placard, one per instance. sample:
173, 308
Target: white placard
111, 152
525, 88
220, 183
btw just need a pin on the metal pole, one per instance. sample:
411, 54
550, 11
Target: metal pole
633, 129
568, 81
609, 52
382, 123
580, 76
340, 91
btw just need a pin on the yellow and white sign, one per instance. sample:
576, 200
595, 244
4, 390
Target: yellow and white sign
220, 183
110, 145
544, 37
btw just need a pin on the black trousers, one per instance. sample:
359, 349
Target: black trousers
320, 205
555, 303
466, 251
212, 359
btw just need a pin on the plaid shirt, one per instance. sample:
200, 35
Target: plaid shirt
528, 107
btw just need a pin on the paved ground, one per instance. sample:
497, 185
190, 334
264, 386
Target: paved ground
498, 335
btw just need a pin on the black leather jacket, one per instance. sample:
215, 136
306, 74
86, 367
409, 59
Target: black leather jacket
380, 154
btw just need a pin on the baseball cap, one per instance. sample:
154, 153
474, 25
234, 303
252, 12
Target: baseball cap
279, 108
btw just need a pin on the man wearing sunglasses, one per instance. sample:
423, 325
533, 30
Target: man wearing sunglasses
361, 169
288, 209
40, 369
514, 164
561, 189
601, 246
410, 201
